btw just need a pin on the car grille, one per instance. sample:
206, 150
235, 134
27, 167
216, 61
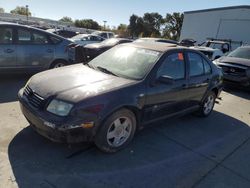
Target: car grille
234, 71
34, 99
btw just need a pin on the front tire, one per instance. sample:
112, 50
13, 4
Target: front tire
58, 64
207, 105
116, 132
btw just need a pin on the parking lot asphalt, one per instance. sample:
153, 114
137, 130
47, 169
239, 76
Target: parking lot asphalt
182, 152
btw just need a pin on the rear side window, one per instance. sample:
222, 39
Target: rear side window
39, 38
198, 65
24, 36
55, 40
173, 66
6, 35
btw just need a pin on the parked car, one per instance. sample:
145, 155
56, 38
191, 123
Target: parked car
236, 66
118, 92
83, 39
148, 39
64, 33
26, 49
93, 50
215, 48
104, 34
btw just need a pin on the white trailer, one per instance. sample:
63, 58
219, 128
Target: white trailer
219, 23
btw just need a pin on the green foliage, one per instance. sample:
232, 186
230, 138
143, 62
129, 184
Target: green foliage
150, 25
1, 10
173, 24
21, 10
122, 31
87, 23
66, 19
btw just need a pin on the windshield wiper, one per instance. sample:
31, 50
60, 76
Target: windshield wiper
105, 70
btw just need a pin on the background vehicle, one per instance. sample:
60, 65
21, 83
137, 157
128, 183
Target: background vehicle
156, 40
216, 48
63, 33
93, 50
104, 34
126, 87
236, 66
26, 49
84, 39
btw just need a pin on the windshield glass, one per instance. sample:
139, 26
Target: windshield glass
126, 61
240, 53
110, 41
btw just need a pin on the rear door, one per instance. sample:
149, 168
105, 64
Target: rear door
34, 50
7, 47
200, 74
164, 99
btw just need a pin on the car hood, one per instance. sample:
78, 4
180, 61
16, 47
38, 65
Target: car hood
203, 48
234, 60
75, 83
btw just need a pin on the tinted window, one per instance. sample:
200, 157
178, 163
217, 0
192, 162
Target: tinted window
24, 36
5, 35
55, 40
111, 35
173, 66
39, 38
196, 64
207, 67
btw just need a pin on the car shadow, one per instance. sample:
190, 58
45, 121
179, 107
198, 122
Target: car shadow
10, 85
239, 91
170, 153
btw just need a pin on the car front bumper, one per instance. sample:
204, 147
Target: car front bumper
56, 131
243, 81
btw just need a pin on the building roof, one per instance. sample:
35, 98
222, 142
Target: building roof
219, 9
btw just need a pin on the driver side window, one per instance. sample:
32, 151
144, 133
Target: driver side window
173, 66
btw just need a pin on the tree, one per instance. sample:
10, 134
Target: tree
1, 10
152, 24
66, 19
136, 26
173, 24
122, 31
87, 23
21, 10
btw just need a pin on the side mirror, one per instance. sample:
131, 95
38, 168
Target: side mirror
166, 79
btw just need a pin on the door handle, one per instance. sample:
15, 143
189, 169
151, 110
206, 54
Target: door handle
49, 50
8, 51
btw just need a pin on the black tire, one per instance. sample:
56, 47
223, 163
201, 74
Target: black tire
204, 110
109, 127
57, 64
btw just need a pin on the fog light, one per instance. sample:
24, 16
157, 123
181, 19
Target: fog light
88, 125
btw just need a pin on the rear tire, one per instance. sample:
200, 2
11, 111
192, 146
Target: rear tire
116, 132
207, 105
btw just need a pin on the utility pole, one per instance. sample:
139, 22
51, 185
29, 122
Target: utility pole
27, 13
104, 24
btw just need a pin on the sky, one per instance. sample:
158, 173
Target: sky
114, 12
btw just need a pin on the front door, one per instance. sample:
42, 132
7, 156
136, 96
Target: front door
7, 48
166, 98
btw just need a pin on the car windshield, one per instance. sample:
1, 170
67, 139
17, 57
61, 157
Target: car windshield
110, 41
126, 61
240, 53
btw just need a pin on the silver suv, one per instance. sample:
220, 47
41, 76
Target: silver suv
25, 49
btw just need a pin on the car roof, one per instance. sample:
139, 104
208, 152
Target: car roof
157, 46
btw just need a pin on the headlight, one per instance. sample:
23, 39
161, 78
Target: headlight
59, 107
